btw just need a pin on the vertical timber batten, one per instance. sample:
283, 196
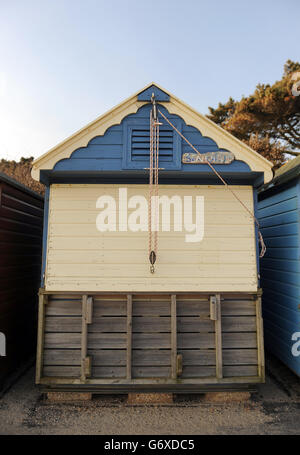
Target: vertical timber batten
173, 338
260, 343
43, 299
87, 303
215, 315
129, 337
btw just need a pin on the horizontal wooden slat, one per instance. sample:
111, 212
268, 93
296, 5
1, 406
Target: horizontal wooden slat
151, 341
107, 340
62, 357
151, 324
153, 306
63, 324
109, 307
194, 307
239, 324
107, 324
151, 357
240, 370
239, 340
198, 356
108, 372
196, 340
240, 356
64, 308
198, 371
238, 308
62, 340
108, 357
61, 371
195, 324
151, 372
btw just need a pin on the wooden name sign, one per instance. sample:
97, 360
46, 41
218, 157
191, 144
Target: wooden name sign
211, 157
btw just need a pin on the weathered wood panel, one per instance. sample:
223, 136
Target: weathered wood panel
151, 324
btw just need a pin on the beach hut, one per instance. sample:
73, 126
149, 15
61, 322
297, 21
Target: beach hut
279, 216
21, 226
150, 263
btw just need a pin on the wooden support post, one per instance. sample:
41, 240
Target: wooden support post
87, 309
260, 340
173, 338
43, 299
218, 330
129, 336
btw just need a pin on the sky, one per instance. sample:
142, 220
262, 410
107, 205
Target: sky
65, 62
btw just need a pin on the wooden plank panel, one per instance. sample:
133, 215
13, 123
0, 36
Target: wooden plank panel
239, 340
198, 371
108, 357
240, 370
63, 324
60, 371
196, 307
115, 306
151, 372
198, 356
108, 372
195, 324
151, 341
64, 307
151, 357
62, 340
196, 341
240, 356
108, 324
238, 308
62, 357
107, 340
239, 324
153, 306
151, 324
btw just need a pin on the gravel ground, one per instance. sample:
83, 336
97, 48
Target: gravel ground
274, 409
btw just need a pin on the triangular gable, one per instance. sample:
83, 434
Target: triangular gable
159, 94
174, 105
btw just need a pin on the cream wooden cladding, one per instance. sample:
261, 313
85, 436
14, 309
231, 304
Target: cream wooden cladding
81, 258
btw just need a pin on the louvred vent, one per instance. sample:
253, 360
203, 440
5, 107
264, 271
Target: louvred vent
140, 144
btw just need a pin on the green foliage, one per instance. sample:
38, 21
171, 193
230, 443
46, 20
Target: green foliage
269, 118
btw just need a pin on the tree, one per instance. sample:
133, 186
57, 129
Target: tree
21, 171
268, 120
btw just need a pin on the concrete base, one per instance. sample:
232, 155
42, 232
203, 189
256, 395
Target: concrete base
226, 397
63, 397
150, 398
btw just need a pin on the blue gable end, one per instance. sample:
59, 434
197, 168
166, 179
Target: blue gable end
125, 147
160, 95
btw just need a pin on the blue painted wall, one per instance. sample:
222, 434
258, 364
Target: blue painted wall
113, 151
279, 216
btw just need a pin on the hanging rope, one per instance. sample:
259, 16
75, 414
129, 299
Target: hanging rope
153, 208
260, 237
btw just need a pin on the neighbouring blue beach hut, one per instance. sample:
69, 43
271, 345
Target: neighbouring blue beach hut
279, 216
